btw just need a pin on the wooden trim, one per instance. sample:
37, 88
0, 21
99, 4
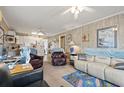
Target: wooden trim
3, 24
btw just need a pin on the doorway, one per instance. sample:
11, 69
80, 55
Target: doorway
62, 42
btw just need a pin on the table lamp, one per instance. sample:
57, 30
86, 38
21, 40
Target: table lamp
74, 49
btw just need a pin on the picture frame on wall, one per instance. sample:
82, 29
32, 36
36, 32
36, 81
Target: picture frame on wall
85, 37
10, 39
107, 37
69, 38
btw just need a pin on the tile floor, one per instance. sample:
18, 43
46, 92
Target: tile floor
53, 74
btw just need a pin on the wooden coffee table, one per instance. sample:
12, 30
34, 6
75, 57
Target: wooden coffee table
21, 68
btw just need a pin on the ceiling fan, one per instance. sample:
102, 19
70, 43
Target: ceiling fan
75, 10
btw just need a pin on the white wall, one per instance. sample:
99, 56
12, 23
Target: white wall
91, 29
28, 40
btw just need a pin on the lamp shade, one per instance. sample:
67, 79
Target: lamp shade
74, 50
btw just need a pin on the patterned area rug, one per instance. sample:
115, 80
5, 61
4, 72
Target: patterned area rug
81, 79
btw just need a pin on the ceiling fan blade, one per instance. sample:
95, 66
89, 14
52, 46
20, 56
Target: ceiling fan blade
66, 11
88, 9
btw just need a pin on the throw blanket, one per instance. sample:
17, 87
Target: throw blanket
57, 50
116, 53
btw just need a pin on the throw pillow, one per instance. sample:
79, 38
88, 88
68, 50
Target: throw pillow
116, 60
119, 66
82, 57
90, 58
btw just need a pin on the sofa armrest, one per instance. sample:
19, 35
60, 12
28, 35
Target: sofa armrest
24, 79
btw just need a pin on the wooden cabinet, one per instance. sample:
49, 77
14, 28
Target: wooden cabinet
0, 16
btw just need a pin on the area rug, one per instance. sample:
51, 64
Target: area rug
81, 79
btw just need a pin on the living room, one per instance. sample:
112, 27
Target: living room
85, 40
74, 46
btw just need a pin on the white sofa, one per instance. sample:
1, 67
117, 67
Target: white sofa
101, 67
82, 66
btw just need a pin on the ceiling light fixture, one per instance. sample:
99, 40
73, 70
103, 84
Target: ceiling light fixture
33, 33
38, 32
75, 10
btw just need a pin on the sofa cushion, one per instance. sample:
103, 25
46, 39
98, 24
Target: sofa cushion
97, 69
90, 58
104, 60
82, 57
114, 76
36, 61
119, 66
81, 65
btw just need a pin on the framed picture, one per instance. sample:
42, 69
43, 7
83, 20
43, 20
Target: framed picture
107, 37
69, 38
10, 39
85, 37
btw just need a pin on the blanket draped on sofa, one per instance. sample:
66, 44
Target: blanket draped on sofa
115, 53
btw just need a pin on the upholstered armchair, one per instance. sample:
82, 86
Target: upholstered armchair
27, 78
36, 61
58, 58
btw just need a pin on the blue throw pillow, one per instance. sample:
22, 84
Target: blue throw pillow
22, 60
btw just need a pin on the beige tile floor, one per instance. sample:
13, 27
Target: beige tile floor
53, 74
